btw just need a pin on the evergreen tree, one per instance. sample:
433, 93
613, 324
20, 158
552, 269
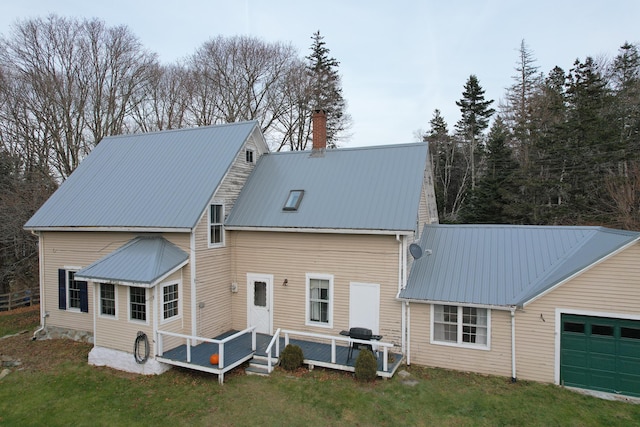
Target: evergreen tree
326, 90
476, 112
493, 199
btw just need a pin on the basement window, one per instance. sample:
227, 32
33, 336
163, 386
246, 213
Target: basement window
293, 201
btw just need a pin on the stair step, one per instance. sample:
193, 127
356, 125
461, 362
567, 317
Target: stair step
252, 370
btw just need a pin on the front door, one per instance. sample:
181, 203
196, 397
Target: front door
259, 302
364, 306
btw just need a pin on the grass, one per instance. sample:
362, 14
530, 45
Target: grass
56, 387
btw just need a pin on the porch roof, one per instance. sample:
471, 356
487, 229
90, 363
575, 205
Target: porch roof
143, 261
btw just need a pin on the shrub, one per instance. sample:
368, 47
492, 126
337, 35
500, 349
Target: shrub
366, 366
291, 357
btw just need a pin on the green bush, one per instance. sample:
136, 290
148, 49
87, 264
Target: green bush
291, 357
366, 366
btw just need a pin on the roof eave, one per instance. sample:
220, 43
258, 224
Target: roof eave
323, 230
113, 229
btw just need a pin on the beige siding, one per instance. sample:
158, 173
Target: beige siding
79, 249
610, 288
495, 361
213, 265
349, 258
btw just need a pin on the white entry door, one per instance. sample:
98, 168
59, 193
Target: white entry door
259, 302
364, 306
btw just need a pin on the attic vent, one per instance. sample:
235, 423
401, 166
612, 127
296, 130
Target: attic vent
293, 201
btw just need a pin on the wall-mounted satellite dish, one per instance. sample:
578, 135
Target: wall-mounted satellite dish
415, 250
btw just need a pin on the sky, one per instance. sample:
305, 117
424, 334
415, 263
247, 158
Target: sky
399, 60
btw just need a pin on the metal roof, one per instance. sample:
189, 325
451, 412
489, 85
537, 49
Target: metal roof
151, 180
373, 188
504, 265
142, 261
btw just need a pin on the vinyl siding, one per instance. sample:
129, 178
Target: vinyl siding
213, 265
496, 361
349, 258
79, 249
611, 287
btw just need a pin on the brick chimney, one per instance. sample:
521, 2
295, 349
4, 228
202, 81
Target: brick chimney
319, 121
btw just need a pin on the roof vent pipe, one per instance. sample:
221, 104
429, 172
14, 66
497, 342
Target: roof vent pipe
319, 122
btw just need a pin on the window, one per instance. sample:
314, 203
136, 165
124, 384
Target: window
170, 301
107, 299
319, 300
137, 303
293, 201
467, 326
249, 156
216, 228
72, 294
260, 294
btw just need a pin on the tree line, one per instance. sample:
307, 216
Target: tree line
563, 147
66, 83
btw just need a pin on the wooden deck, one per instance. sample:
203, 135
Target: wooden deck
238, 351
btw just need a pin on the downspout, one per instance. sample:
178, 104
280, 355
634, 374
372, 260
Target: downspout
408, 333
401, 285
43, 313
192, 262
513, 344
157, 306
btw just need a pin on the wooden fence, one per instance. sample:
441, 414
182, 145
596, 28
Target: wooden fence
17, 299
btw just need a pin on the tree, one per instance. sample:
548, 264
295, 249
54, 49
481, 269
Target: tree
493, 199
69, 83
476, 113
449, 168
326, 90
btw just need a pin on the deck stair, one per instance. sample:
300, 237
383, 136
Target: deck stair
258, 366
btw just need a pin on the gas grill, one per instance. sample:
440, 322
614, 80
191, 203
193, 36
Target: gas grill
363, 334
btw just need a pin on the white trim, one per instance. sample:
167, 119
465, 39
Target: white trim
322, 230
67, 289
161, 301
578, 273
98, 290
268, 279
114, 229
147, 314
437, 302
460, 344
319, 276
192, 263
134, 284
558, 330
220, 244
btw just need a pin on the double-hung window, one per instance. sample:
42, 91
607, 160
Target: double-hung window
170, 301
72, 293
107, 300
459, 325
137, 303
216, 226
319, 300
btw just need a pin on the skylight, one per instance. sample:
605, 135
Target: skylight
293, 201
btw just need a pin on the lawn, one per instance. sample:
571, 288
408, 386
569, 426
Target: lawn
55, 386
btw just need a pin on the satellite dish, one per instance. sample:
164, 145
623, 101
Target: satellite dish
415, 250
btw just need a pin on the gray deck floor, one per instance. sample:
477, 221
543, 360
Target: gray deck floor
314, 353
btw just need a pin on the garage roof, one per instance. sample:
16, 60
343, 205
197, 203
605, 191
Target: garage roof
504, 265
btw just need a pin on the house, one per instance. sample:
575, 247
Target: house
197, 232
552, 304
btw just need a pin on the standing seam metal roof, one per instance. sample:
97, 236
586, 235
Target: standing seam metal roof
372, 188
151, 180
504, 265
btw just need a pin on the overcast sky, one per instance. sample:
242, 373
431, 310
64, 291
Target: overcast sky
399, 60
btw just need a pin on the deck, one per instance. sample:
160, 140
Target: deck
239, 350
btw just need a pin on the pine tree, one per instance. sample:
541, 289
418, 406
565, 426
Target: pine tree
492, 201
476, 113
327, 90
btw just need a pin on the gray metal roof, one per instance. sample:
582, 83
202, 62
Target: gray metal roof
151, 180
504, 265
373, 188
142, 261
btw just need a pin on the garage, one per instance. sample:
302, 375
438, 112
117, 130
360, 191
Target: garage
600, 353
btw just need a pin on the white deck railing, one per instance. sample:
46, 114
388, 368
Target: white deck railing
274, 340
221, 342
385, 346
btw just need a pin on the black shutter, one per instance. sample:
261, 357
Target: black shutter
84, 298
62, 289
